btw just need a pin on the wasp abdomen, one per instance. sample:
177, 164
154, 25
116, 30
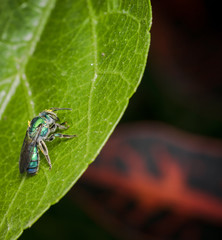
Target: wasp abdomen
34, 163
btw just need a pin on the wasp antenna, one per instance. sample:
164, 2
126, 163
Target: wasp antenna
56, 109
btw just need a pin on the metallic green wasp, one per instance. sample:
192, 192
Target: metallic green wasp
40, 129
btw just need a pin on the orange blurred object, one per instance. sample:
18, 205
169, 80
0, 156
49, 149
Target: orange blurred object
151, 180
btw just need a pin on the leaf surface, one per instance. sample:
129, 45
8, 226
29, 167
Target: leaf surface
86, 55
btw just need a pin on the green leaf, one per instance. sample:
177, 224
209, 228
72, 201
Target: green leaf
87, 55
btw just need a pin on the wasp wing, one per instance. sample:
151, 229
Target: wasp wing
25, 156
26, 152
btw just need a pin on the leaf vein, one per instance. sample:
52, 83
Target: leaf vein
94, 37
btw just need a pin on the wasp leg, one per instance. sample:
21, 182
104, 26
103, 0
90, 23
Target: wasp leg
52, 137
44, 150
53, 128
60, 126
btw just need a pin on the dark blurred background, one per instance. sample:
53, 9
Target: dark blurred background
159, 175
